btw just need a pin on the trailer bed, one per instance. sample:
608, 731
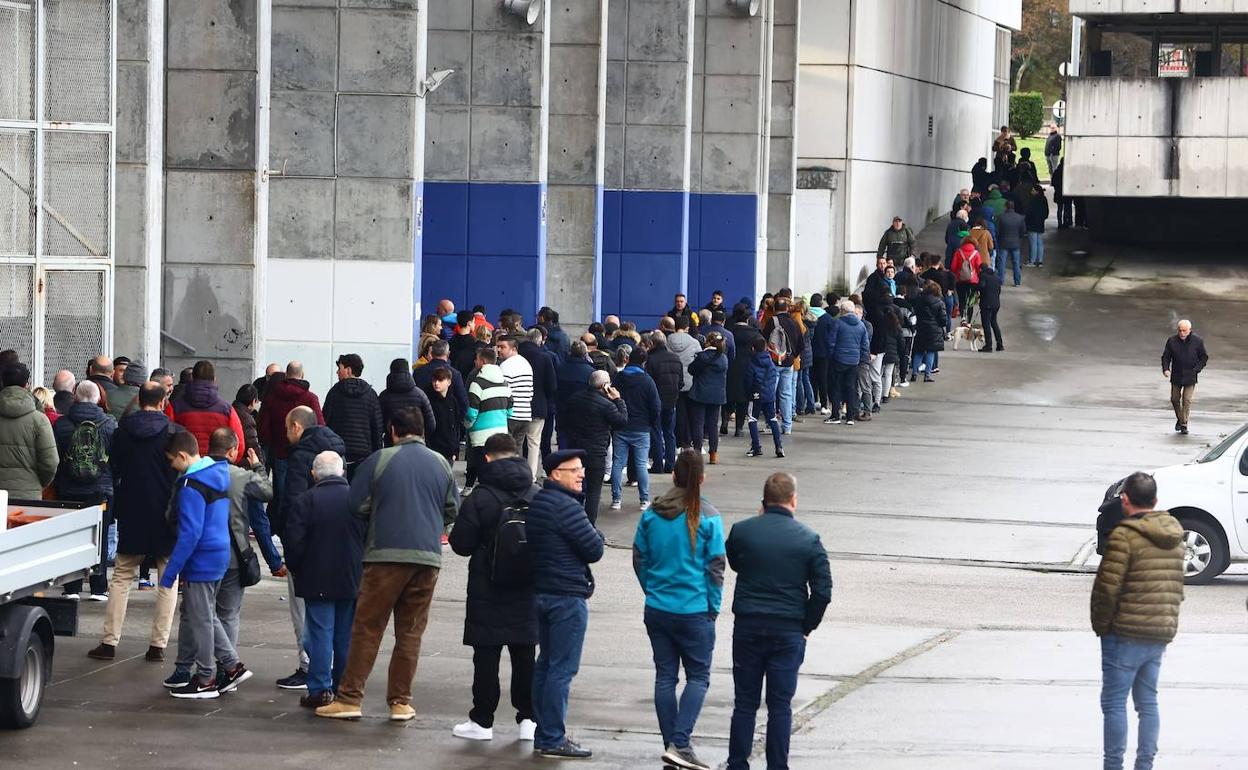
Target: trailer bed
43, 554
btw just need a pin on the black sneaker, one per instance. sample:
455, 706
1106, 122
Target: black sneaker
565, 750
875, 409
1183, 430
296, 681
779, 452
197, 689
754, 453
678, 757
177, 679
1178, 426
228, 681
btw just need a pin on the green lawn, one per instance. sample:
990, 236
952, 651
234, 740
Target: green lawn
1036, 143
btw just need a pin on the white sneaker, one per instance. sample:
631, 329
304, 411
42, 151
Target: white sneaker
615, 505
98, 597
825, 410
849, 422
472, 731
905, 383
645, 506
72, 597
528, 728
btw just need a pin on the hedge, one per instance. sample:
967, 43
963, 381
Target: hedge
1026, 112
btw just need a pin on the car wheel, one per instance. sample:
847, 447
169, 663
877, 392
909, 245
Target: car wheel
20, 698
1204, 556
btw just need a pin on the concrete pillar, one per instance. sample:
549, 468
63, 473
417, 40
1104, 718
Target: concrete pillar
645, 213
346, 159
782, 150
485, 193
210, 185
576, 149
728, 148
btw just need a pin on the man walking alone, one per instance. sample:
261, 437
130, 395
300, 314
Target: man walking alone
1182, 360
1135, 612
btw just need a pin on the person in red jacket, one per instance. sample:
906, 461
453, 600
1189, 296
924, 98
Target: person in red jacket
201, 410
965, 268
282, 396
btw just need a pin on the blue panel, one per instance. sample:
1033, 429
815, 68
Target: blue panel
653, 222
504, 282
729, 271
443, 276
612, 220
729, 222
446, 218
647, 283
505, 219
695, 226
610, 297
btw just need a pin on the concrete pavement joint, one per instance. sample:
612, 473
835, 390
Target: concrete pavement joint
1056, 568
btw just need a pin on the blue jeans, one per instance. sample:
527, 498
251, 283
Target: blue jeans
561, 624
1008, 256
327, 637
757, 652
1128, 666
767, 410
805, 390
784, 397
279, 482
928, 359
640, 444
951, 301
663, 442
677, 640
1035, 254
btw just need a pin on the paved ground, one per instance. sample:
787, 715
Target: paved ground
959, 524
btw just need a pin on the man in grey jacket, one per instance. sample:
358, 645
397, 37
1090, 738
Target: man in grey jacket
1011, 231
686, 348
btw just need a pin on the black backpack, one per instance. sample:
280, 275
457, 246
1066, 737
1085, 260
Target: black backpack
85, 458
511, 561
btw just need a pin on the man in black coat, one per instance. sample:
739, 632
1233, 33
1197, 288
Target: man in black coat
439, 358
96, 484
142, 483
668, 373
325, 552
353, 411
571, 378
591, 416
1182, 360
989, 307
307, 440
404, 392
497, 615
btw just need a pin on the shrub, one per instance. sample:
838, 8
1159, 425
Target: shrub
1026, 112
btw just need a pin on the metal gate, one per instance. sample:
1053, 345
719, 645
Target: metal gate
57, 108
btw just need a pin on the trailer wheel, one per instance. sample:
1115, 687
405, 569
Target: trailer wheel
20, 698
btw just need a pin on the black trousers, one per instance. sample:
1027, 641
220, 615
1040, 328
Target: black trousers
819, 379
703, 421
738, 410
476, 458
683, 419
595, 469
989, 318
485, 689
99, 576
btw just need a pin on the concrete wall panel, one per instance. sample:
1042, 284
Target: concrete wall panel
130, 246
506, 70
450, 14
129, 293
1141, 162
377, 51
616, 78
301, 219
734, 106
783, 99
1237, 123
655, 158
614, 160
573, 149
209, 217
1093, 106
1204, 107
446, 142
398, 5
822, 112
505, 144
210, 308
372, 302
780, 175
656, 93
568, 279
373, 220
574, 80
1202, 168
302, 133
699, 103
824, 32
1210, 6
131, 123
617, 26
214, 120
1091, 166
1237, 173
489, 15
297, 289
1144, 107
732, 46
375, 136
132, 30
651, 35
571, 220
305, 49
451, 50
574, 22
211, 34
729, 162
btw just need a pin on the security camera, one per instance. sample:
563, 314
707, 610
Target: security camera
744, 7
433, 82
528, 10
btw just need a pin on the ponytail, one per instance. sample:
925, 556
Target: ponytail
688, 476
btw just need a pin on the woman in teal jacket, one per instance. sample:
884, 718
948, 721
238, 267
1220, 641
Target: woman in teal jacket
678, 554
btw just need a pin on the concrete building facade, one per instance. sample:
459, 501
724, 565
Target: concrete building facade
292, 180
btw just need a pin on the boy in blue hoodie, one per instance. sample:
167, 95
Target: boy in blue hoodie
201, 503
761, 381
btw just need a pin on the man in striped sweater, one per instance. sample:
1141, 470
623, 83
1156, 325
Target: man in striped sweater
519, 375
489, 407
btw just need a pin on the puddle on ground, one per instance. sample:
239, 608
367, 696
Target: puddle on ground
1043, 326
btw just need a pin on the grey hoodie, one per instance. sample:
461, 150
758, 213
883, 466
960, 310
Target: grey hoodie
686, 349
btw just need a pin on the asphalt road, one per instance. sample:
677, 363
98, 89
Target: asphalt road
958, 521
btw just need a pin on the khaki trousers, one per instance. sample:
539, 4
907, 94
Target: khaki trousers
125, 570
1181, 400
404, 590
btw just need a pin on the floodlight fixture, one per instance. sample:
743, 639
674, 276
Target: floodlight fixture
528, 10
433, 82
745, 7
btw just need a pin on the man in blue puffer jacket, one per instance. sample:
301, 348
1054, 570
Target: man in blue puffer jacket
846, 344
563, 544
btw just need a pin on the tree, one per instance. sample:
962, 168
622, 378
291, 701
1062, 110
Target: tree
1041, 46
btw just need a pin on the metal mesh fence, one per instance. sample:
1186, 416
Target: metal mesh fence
78, 54
17, 202
17, 60
75, 194
17, 309
73, 319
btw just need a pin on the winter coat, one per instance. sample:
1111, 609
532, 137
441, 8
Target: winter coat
408, 495
744, 335
545, 381
989, 289
893, 346
966, 253
281, 398
995, 201
201, 411
731, 343
247, 484
1037, 213
448, 430
1184, 359
563, 543
847, 340
686, 349
761, 378
897, 244
462, 354
120, 399
107, 389
680, 575
953, 236
1139, 585
782, 570
251, 436
556, 339
28, 456
495, 615
489, 405
201, 504
325, 542
641, 397
403, 392
943, 278
588, 421
572, 377
783, 332
930, 315
710, 378
1012, 230
668, 374
143, 484
66, 486
299, 469
982, 239
353, 411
